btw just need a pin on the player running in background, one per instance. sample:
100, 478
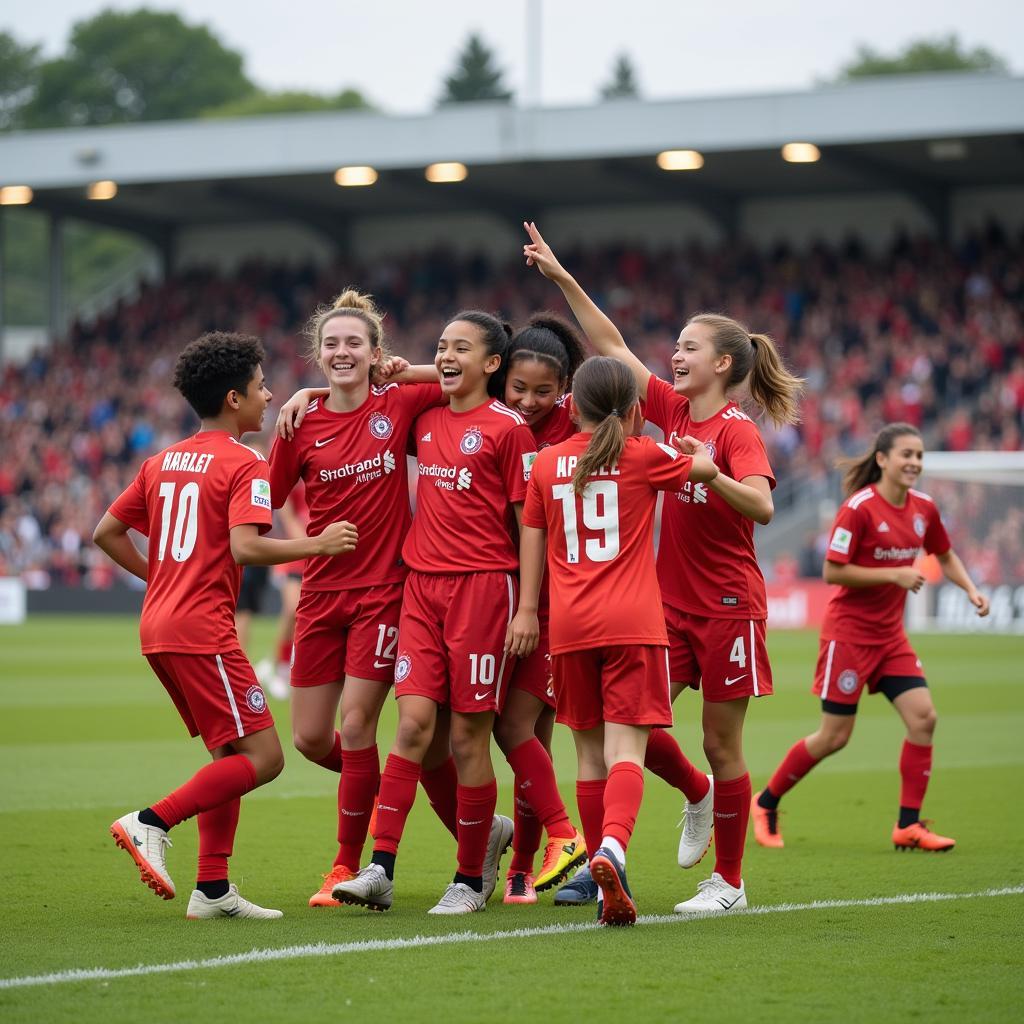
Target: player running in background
349, 450
474, 461
204, 504
591, 504
715, 604
876, 538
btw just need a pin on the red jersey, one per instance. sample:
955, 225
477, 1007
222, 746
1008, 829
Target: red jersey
353, 466
707, 564
869, 531
556, 427
472, 466
186, 499
600, 545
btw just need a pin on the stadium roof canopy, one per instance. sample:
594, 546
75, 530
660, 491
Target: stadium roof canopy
922, 135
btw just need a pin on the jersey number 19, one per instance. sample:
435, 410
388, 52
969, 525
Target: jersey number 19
600, 513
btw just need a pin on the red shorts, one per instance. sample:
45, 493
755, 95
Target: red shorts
451, 639
217, 695
845, 669
627, 684
533, 673
346, 632
724, 658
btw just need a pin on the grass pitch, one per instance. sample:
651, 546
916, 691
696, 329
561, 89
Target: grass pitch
87, 733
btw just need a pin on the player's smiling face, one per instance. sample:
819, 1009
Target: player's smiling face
903, 464
532, 388
695, 364
462, 360
253, 404
346, 353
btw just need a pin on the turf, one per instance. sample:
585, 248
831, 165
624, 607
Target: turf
87, 733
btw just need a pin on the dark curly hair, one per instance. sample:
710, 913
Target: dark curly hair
547, 338
214, 364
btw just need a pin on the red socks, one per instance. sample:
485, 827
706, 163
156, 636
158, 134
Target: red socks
357, 789
590, 800
794, 766
622, 796
535, 782
476, 813
332, 762
214, 784
440, 784
216, 840
665, 759
732, 810
915, 770
394, 801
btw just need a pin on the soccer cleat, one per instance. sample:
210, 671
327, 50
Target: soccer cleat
459, 898
580, 889
918, 837
202, 908
616, 906
146, 845
714, 896
697, 823
519, 888
560, 857
323, 898
498, 842
766, 824
370, 888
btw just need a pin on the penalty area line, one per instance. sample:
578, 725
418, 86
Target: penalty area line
322, 949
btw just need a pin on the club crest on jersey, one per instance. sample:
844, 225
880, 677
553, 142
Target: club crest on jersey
847, 681
403, 667
380, 426
472, 441
256, 699
709, 447
919, 524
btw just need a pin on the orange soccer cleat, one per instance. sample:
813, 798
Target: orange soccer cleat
561, 858
323, 898
918, 837
766, 825
519, 888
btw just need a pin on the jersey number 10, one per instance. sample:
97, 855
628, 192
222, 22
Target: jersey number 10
186, 520
605, 519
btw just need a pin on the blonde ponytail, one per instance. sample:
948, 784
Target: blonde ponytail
354, 303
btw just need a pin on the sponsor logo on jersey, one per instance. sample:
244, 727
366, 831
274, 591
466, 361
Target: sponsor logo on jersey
261, 493
895, 554
448, 478
321, 441
465, 480
403, 667
883, 527
364, 470
256, 699
528, 460
472, 441
841, 540
847, 681
919, 524
380, 426
691, 492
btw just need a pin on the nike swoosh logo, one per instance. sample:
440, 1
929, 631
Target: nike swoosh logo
729, 682
383, 664
320, 444
481, 696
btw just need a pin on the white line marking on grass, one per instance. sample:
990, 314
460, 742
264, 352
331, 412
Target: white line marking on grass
320, 949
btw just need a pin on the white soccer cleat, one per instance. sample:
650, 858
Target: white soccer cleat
714, 896
460, 898
370, 888
146, 845
202, 908
498, 842
698, 820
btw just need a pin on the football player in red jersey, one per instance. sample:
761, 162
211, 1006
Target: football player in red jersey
591, 504
474, 458
876, 538
204, 504
349, 452
715, 605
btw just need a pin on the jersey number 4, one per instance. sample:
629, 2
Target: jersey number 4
600, 512
185, 513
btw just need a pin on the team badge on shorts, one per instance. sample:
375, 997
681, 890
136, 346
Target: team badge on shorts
847, 681
380, 426
472, 441
919, 525
256, 699
402, 668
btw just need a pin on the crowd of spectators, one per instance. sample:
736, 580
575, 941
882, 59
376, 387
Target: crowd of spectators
925, 332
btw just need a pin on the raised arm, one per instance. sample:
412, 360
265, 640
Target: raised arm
603, 334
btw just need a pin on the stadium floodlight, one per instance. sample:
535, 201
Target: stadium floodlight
801, 153
354, 177
445, 172
942, 150
15, 195
101, 190
680, 160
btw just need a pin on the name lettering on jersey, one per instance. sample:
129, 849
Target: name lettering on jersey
363, 471
565, 466
691, 492
735, 414
187, 462
448, 478
895, 554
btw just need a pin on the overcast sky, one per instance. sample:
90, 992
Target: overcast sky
397, 53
